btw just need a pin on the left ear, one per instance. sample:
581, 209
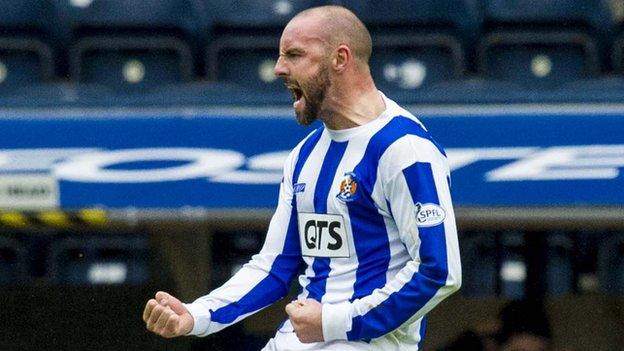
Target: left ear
342, 58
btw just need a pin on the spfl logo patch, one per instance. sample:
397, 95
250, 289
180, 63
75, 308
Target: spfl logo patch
348, 187
429, 215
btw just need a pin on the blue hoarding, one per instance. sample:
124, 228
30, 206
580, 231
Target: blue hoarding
219, 161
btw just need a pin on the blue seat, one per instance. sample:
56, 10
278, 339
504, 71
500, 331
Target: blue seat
256, 13
99, 261
410, 62
538, 11
245, 60
617, 55
13, 262
461, 17
611, 265
417, 43
26, 35
559, 264
28, 18
513, 265
24, 61
132, 45
119, 16
541, 60
245, 42
478, 256
130, 63
541, 44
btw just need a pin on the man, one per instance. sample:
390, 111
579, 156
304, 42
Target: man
364, 211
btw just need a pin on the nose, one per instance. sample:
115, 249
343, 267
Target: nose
280, 68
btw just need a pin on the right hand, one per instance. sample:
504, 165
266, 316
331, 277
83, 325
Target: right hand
167, 316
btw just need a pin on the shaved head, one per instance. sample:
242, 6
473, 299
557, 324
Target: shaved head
339, 26
323, 59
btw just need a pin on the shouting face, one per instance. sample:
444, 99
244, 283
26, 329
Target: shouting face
303, 64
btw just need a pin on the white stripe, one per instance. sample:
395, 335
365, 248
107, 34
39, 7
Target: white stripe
305, 199
342, 275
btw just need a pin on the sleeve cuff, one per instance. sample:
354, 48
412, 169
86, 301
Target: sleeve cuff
336, 321
201, 318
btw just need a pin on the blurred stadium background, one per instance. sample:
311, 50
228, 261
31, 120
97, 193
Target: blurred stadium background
142, 141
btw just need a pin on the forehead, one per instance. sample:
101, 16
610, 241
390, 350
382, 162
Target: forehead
301, 32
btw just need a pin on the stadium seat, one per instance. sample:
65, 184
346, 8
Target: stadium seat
410, 62
130, 63
478, 256
132, 45
461, 17
542, 60
13, 262
416, 43
550, 12
256, 13
24, 61
617, 55
26, 31
513, 265
245, 60
28, 18
111, 17
611, 265
244, 45
541, 44
559, 264
99, 260
231, 250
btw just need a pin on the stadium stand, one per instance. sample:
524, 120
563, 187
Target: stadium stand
559, 264
417, 43
26, 56
244, 44
99, 260
151, 57
13, 262
611, 264
541, 44
131, 45
426, 51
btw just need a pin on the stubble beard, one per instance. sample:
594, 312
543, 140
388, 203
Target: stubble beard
315, 92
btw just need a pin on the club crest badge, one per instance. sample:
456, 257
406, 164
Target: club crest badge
348, 187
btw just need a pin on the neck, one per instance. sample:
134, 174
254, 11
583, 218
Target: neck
352, 104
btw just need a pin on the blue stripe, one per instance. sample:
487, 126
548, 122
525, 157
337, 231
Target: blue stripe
422, 332
304, 153
431, 275
367, 225
286, 264
316, 287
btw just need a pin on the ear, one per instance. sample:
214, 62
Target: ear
342, 58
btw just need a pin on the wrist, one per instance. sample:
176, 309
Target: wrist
201, 318
336, 321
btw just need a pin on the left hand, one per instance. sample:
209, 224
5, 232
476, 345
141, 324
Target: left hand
305, 316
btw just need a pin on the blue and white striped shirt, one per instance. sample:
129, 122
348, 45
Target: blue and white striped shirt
366, 214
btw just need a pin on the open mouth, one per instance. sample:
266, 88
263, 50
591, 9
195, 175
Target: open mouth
296, 92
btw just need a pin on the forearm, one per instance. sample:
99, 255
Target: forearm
257, 285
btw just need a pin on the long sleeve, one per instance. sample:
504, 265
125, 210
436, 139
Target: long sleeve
415, 178
262, 281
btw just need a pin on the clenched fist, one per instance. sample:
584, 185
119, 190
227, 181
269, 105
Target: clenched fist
166, 316
305, 316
